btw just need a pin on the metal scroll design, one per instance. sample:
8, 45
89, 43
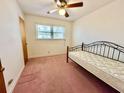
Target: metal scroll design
103, 48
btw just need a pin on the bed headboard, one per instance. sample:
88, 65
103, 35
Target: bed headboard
103, 48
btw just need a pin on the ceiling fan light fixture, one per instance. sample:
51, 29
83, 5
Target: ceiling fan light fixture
62, 11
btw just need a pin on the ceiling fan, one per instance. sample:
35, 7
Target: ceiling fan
62, 5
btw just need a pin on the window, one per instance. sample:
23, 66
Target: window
50, 32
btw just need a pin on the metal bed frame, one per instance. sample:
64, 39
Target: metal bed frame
102, 48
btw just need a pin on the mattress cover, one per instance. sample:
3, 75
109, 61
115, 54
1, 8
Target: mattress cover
110, 71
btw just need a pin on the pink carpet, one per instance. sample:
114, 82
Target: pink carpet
54, 75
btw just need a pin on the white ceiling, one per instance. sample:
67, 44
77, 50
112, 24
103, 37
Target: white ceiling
40, 8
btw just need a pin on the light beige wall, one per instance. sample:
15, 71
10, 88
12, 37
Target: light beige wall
37, 48
10, 42
106, 23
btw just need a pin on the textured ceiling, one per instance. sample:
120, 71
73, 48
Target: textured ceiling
40, 8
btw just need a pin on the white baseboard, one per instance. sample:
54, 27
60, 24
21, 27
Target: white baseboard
15, 81
50, 55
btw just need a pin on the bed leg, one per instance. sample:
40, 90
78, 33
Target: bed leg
67, 54
82, 46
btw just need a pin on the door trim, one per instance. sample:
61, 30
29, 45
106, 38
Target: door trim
23, 38
2, 81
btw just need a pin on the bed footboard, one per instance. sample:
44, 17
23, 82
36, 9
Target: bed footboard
75, 48
67, 54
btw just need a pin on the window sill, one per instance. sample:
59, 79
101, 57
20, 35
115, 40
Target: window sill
51, 39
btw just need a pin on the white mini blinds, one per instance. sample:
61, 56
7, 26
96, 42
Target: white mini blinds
50, 32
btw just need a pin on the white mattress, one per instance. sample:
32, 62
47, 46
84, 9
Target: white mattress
110, 71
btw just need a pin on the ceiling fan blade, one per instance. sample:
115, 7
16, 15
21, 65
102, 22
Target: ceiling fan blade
80, 4
66, 14
52, 11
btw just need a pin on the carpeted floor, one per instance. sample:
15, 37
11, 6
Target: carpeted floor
54, 75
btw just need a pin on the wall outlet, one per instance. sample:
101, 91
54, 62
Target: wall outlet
10, 82
48, 52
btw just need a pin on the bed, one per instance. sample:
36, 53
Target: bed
103, 59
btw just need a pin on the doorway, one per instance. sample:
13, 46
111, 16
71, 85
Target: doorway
23, 36
2, 82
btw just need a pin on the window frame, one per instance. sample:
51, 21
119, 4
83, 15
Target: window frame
36, 31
